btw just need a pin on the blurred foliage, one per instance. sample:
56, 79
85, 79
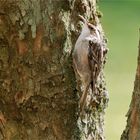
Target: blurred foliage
121, 22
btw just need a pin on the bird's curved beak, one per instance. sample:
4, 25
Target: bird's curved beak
83, 19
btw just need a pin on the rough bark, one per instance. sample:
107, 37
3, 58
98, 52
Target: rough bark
132, 130
38, 91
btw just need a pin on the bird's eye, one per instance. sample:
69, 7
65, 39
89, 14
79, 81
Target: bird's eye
90, 27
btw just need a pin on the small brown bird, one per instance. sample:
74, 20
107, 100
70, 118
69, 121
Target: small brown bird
88, 58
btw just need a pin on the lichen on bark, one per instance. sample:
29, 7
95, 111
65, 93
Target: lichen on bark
92, 121
38, 94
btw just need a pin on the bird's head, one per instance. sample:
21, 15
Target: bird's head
89, 30
87, 27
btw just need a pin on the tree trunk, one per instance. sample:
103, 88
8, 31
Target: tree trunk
38, 90
132, 130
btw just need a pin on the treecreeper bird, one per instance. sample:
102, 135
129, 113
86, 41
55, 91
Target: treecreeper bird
88, 58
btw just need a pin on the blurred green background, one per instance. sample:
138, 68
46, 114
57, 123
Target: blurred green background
121, 22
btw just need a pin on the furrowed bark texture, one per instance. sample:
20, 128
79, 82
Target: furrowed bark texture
132, 130
38, 92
